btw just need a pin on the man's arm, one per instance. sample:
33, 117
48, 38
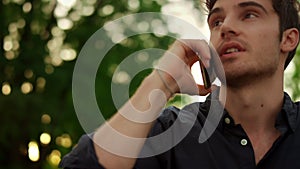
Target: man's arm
129, 128
114, 142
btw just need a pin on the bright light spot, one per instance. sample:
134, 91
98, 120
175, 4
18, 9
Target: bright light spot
117, 37
121, 77
40, 83
55, 157
64, 23
149, 43
68, 54
61, 11
10, 55
8, 45
46, 119
49, 69
54, 44
47, 60
57, 32
12, 27
18, 1
21, 23
143, 26
128, 43
87, 10
64, 140
28, 73
45, 138
27, 7
33, 151
159, 29
74, 16
16, 45
56, 61
133, 4
108, 9
142, 57
67, 3
129, 20
6, 89
26, 87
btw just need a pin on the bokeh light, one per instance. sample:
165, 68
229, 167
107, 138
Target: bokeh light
64, 140
67, 54
6, 89
46, 119
33, 151
45, 138
55, 157
26, 87
27, 7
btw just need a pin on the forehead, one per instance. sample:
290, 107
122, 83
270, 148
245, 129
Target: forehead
224, 4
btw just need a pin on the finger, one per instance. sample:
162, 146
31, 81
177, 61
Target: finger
203, 91
203, 53
192, 50
200, 49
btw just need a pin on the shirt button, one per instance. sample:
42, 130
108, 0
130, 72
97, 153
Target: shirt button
227, 120
244, 142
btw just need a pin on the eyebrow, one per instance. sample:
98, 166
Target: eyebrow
252, 3
242, 5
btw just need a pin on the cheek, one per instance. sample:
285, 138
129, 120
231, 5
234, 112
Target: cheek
268, 42
216, 42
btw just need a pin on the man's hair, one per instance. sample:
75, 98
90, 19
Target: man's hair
287, 11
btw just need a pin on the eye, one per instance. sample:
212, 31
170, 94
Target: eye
216, 23
250, 15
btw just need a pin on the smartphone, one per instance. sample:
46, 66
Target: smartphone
208, 74
205, 76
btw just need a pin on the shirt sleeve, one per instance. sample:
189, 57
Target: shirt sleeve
83, 156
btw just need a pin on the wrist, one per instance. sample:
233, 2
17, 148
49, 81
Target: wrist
156, 80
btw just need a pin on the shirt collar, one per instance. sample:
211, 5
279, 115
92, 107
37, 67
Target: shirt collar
288, 114
286, 119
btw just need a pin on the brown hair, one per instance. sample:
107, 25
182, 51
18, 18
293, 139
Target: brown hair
287, 11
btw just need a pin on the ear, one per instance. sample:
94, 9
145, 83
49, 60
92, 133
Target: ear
290, 39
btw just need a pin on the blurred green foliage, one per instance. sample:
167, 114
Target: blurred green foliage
36, 79
39, 44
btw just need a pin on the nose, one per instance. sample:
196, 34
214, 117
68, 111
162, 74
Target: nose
228, 28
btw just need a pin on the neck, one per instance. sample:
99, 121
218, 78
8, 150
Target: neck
255, 106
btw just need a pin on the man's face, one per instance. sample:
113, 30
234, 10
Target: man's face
246, 35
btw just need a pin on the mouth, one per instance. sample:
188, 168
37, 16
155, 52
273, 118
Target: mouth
230, 48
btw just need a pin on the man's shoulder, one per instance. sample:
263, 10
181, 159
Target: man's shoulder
194, 111
82, 156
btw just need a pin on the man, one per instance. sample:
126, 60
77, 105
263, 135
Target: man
259, 128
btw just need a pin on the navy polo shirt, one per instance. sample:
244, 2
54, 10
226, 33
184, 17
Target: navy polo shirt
227, 148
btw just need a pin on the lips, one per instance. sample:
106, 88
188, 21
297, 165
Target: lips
230, 48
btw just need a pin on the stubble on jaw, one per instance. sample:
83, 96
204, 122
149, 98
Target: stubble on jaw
246, 74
